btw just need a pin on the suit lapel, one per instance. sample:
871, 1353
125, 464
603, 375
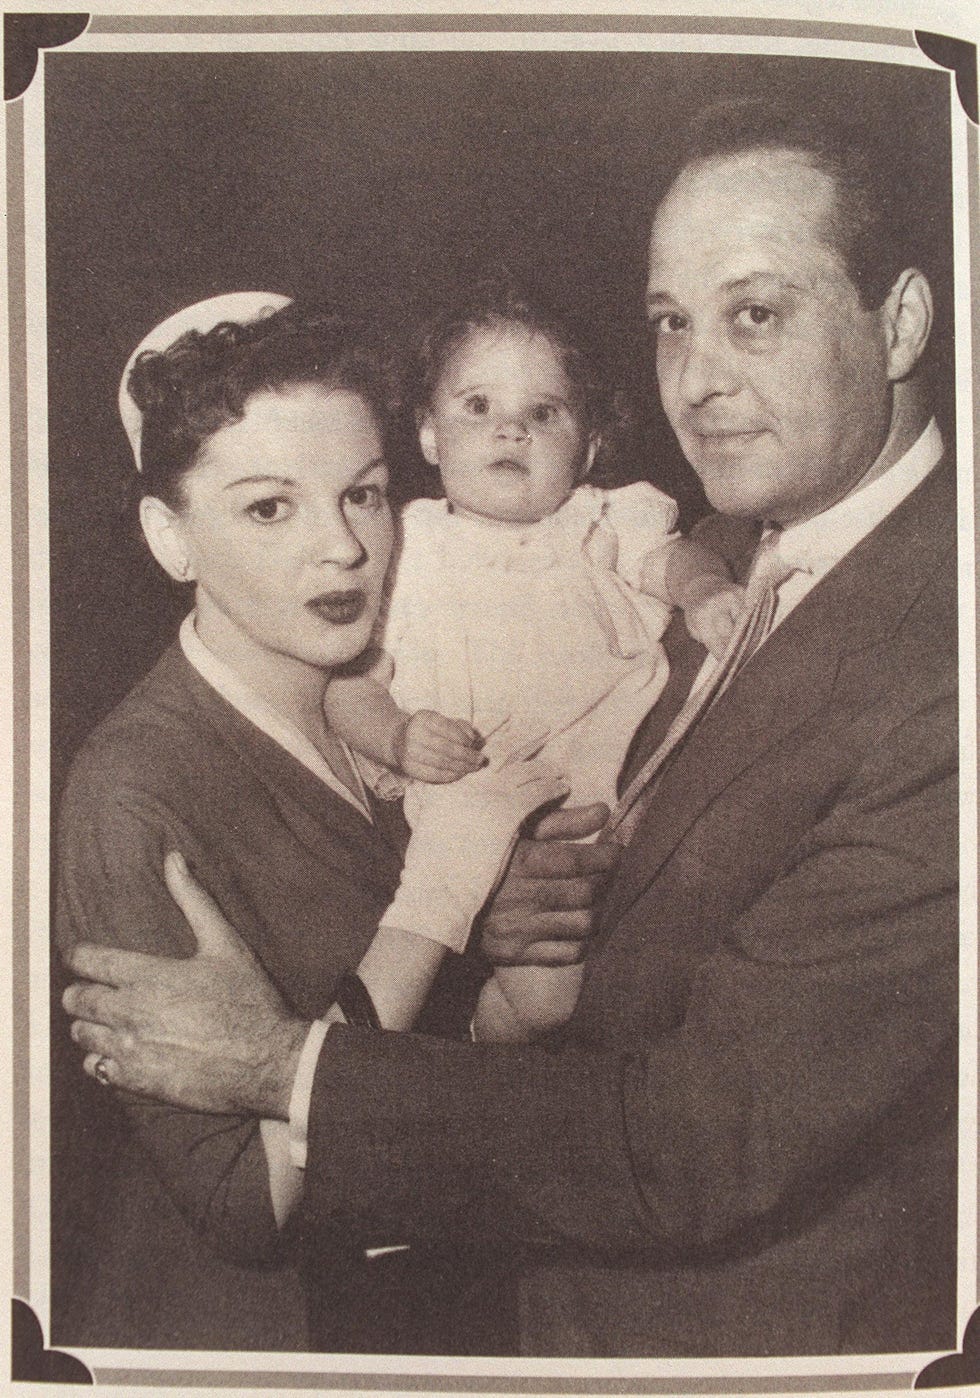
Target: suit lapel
859, 602
685, 657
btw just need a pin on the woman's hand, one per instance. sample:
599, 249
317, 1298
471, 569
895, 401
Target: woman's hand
462, 836
433, 748
209, 1032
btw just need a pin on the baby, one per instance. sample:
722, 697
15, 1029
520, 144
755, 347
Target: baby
527, 606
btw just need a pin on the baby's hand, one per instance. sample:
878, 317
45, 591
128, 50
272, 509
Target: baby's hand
433, 748
712, 617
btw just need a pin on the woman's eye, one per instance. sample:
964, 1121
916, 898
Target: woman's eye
754, 316
478, 405
543, 412
668, 323
365, 497
271, 510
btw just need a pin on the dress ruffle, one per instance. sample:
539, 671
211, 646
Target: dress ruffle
534, 624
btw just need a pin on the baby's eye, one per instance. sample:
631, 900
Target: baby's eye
478, 404
271, 510
543, 413
668, 323
754, 316
369, 496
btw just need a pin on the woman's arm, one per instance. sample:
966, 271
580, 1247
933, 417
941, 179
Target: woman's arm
111, 890
136, 1011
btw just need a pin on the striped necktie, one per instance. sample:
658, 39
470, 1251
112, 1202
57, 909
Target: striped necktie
769, 571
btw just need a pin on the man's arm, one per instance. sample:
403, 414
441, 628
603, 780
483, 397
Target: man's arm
818, 1034
824, 1018
176, 1031
543, 912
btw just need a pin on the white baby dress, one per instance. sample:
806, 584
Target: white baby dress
540, 624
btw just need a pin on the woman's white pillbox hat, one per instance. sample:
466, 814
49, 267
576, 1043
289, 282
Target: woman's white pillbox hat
238, 306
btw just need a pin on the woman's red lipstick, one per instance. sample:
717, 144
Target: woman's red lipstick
340, 608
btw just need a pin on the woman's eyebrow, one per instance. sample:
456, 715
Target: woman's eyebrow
259, 480
379, 463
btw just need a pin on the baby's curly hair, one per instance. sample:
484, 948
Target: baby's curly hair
499, 301
203, 382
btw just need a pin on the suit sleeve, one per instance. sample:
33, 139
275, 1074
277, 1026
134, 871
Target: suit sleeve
820, 1029
110, 890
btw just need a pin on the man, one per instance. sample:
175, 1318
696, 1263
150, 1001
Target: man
744, 1141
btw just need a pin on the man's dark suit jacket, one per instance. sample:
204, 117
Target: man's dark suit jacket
744, 1142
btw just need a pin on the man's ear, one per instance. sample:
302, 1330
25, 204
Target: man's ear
161, 525
427, 440
907, 319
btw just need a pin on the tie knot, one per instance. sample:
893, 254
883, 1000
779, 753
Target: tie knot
769, 568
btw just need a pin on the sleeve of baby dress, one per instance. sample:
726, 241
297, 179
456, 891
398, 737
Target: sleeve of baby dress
643, 519
415, 544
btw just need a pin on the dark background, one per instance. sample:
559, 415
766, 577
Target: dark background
372, 181
369, 180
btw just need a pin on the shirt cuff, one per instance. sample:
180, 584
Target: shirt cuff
302, 1093
285, 1181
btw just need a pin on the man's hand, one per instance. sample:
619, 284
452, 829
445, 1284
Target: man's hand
209, 1033
542, 913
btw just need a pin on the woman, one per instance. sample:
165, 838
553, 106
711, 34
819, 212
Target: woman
260, 446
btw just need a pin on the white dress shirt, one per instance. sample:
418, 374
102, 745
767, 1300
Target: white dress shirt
815, 545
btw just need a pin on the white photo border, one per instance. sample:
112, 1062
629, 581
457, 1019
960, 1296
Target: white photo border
25, 719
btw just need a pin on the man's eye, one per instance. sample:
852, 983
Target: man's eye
365, 497
668, 323
543, 412
754, 316
271, 510
478, 405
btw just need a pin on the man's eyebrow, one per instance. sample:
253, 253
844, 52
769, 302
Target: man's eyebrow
659, 298
753, 278
664, 298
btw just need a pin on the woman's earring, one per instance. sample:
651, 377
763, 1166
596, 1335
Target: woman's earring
183, 567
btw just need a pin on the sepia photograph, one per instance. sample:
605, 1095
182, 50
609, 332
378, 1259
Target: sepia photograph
492, 704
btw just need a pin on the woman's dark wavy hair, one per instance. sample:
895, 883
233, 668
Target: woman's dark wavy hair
203, 382
499, 301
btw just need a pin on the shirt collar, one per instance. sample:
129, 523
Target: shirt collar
274, 725
816, 544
